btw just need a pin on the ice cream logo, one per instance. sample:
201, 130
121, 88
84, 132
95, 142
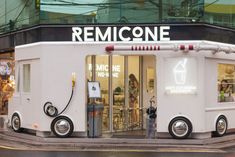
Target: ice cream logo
180, 72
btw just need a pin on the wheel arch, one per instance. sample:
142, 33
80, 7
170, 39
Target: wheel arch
217, 131
180, 116
188, 120
68, 119
216, 118
65, 115
18, 113
20, 128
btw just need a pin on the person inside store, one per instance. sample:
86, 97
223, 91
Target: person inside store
133, 98
225, 91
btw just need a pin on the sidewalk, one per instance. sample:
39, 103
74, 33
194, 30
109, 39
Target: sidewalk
27, 141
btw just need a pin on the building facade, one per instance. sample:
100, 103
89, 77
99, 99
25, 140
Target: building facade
147, 21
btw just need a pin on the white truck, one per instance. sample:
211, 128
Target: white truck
194, 86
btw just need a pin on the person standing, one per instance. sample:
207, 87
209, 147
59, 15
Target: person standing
133, 98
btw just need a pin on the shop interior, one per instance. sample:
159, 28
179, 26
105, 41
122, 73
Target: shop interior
6, 80
226, 81
126, 94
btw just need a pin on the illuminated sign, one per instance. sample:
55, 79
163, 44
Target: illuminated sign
117, 33
181, 89
180, 76
180, 72
102, 70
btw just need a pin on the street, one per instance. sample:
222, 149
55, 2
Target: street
25, 145
14, 153
8, 152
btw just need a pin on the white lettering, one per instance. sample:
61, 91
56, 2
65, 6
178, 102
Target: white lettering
100, 74
104, 36
102, 70
115, 75
77, 31
114, 33
90, 34
148, 33
87, 34
116, 68
106, 74
99, 67
163, 33
181, 89
106, 68
137, 35
120, 33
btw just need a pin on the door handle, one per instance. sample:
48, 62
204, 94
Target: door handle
28, 99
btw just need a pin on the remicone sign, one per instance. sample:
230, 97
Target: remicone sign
120, 33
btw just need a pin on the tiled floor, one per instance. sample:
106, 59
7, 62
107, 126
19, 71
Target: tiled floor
130, 134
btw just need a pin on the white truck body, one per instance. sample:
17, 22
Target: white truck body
52, 65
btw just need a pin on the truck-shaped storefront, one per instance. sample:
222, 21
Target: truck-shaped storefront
192, 81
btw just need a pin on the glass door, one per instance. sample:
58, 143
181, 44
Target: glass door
101, 74
118, 88
120, 82
133, 93
126, 93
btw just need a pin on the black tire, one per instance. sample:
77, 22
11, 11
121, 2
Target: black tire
66, 123
185, 122
16, 123
223, 127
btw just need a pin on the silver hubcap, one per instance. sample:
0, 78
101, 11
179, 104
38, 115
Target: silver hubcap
51, 111
180, 128
221, 126
16, 123
62, 127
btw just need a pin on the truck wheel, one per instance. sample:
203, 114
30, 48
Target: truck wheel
221, 126
62, 126
180, 128
16, 123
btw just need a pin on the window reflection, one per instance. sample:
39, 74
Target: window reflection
118, 84
102, 76
226, 81
219, 12
7, 82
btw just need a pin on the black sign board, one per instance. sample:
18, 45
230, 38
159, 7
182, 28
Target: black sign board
119, 33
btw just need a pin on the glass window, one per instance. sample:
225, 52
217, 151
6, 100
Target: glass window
118, 84
18, 14
24, 13
226, 80
26, 78
89, 69
7, 83
102, 76
134, 116
220, 12
18, 80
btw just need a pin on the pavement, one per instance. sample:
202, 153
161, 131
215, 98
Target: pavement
23, 141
